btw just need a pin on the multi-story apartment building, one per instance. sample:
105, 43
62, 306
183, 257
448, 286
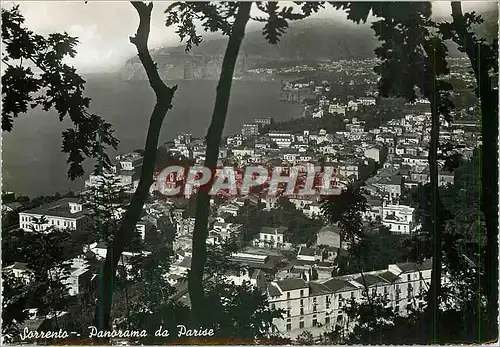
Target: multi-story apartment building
318, 307
282, 138
251, 129
66, 213
263, 121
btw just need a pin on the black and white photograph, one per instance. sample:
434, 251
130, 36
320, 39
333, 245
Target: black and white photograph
249, 173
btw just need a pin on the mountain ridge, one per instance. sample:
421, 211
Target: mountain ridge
309, 40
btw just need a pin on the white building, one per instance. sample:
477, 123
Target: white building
282, 138
66, 213
376, 153
337, 109
318, 307
270, 237
367, 101
130, 162
399, 218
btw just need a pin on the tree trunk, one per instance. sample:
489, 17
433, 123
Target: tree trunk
488, 98
435, 287
125, 233
213, 138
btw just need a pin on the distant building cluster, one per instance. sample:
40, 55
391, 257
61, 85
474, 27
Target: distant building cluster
387, 160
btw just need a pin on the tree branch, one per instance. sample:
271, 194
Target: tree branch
164, 95
140, 40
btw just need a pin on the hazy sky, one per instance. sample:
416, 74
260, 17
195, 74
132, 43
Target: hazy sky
103, 27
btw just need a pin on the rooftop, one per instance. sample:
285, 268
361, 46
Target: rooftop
318, 288
307, 251
338, 285
59, 208
292, 284
370, 280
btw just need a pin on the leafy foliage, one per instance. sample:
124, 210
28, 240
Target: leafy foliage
305, 338
48, 82
46, 254
219, 17
239, 311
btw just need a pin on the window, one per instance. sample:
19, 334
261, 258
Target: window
301, 302
301, 325
409, 278
301, 293
289, 327
301, 311
352, 295
374, 291
288, 313
327, 320
288, 295
315, 322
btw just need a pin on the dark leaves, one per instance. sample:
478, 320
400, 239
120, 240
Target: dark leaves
51, 85
219, 17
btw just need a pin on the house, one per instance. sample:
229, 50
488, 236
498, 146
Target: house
231, 209
79, 281
367, 101
445, 178
66, 213
251, 129
18, 270
338, 109
377, 153
271, 237
228, 230
11, 207
255, 277
130, 162
328, 236
399, 218
309, 254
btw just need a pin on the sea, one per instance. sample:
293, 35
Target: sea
32, 161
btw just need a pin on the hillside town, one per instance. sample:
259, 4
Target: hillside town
297, 275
